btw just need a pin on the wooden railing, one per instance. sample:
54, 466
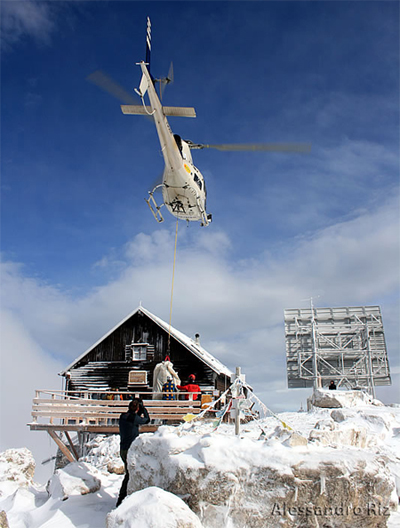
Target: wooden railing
93, 408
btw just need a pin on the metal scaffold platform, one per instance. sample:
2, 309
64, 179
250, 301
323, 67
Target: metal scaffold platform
342, 344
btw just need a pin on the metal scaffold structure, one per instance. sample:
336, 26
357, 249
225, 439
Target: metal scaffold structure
346, 345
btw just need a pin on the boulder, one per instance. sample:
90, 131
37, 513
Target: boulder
255, 483
17, 465
116, 466
152, 508
339, 398
78, 478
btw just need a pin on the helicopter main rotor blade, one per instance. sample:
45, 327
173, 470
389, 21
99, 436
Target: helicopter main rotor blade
105, 82
301, 148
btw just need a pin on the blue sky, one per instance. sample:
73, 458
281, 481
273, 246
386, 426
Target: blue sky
81, 249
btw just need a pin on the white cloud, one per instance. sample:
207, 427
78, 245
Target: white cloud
20, 19
24, 368
237, 307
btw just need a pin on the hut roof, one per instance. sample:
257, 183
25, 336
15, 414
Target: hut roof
186, 341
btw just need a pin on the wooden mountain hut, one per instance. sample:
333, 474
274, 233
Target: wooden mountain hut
125, 358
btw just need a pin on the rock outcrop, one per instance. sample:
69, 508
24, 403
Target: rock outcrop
257, 484
17, 465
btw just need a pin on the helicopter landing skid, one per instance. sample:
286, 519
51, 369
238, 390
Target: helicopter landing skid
154, 208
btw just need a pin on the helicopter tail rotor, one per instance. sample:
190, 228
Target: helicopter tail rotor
163, 81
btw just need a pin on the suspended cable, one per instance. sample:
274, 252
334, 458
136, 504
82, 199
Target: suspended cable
172, 289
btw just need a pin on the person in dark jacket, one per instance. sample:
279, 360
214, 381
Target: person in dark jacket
129, 430
332, 385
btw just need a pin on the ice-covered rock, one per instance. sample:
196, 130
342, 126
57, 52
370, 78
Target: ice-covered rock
17, 465
78, 478
255, 483
153, 508
340, 398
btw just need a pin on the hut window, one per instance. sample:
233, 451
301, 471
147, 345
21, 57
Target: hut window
139, 352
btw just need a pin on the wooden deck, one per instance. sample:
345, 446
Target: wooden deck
91, 412
57, 410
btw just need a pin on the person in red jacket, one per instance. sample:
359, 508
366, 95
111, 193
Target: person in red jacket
190, 387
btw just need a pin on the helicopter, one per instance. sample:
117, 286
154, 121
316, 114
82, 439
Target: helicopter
183, 186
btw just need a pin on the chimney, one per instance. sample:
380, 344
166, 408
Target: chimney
197, 339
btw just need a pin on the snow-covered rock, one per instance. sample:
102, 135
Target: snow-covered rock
3, 520
17, 465
285, 436
78, 478
103, 453
255, 483
328, 433
153, 508
340, 398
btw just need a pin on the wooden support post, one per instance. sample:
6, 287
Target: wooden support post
236, 403
64, 449
53, 397
71, 445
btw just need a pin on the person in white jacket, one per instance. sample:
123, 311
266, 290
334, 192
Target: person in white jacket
161, 372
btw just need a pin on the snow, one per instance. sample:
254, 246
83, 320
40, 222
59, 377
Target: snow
153, 508
83, 494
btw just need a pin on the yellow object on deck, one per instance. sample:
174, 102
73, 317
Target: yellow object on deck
189, 417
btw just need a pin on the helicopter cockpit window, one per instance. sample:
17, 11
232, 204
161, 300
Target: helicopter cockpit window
178, 141
198, 181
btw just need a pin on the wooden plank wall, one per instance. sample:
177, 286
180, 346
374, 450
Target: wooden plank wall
105, 366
